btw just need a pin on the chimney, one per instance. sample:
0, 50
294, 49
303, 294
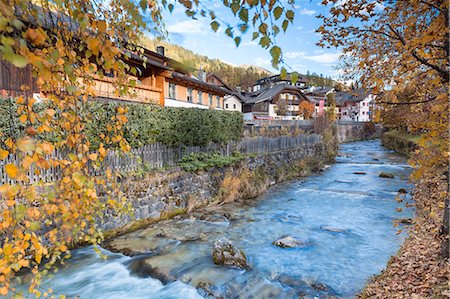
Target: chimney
202, 74
160, 50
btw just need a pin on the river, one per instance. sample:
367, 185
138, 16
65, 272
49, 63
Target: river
345, 220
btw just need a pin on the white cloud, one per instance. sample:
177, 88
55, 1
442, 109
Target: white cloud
324, 58
308, 12
295, 55
188, 26
299, 27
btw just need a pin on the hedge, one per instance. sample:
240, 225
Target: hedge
172, 126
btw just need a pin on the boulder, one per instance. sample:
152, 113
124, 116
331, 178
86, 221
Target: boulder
224, 253
402, 191
386, 175
288, 242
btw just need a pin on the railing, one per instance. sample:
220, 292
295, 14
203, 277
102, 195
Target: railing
158, 155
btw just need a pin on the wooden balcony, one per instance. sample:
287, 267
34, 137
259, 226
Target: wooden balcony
141, 93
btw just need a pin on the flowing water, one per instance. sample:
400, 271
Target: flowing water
345, 220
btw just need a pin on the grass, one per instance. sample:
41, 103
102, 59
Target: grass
404, 136
204, 161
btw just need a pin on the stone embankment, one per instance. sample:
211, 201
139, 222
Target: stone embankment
164, 194
161, 195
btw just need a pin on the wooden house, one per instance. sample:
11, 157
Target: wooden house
280, 101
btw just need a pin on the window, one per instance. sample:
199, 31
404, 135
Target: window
189, 95
234, 106
226, 106
172, 90
345, 113
200, 97
210, 100
218, 101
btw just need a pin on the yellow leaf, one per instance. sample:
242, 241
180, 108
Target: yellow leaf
3, 154
7, 249
102, 151
26, 144
11, 170
27, 161
93, 157
23, 118
23, 263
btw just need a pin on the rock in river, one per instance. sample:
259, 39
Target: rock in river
288, 242
386, 175
224, 253
332, 229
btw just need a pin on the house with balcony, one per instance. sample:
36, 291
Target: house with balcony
279, 102
355, 105
157, 79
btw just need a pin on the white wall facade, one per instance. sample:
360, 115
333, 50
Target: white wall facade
231, 103
175, 103
363, 113
358, 112
293, 108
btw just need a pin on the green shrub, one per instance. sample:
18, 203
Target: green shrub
147, 124
204, 161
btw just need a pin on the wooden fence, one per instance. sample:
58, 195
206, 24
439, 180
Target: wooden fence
158, 155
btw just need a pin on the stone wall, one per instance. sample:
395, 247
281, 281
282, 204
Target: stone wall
357, 131
398, 144
156, 196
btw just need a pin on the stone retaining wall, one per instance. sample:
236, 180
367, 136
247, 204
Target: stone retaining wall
164, 194
357, 131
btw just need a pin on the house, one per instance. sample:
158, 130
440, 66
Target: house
281, 101
183, 89
318, 96
158, 80
234, 99
355, 105
269, 82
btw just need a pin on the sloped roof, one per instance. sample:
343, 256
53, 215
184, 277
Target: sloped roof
183, 77
321, 90
269, 93
354, 95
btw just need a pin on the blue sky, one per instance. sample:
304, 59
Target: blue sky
298, 43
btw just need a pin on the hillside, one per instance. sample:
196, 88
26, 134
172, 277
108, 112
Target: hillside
243, 75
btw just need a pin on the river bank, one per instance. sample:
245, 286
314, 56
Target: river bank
419, 269
161, 195
343, 218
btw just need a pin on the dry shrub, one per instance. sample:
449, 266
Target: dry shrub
229, 189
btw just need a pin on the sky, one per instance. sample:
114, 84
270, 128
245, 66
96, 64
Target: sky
298, 43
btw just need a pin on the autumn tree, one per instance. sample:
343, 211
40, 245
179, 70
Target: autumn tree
69, 44
306, 109
400, 49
